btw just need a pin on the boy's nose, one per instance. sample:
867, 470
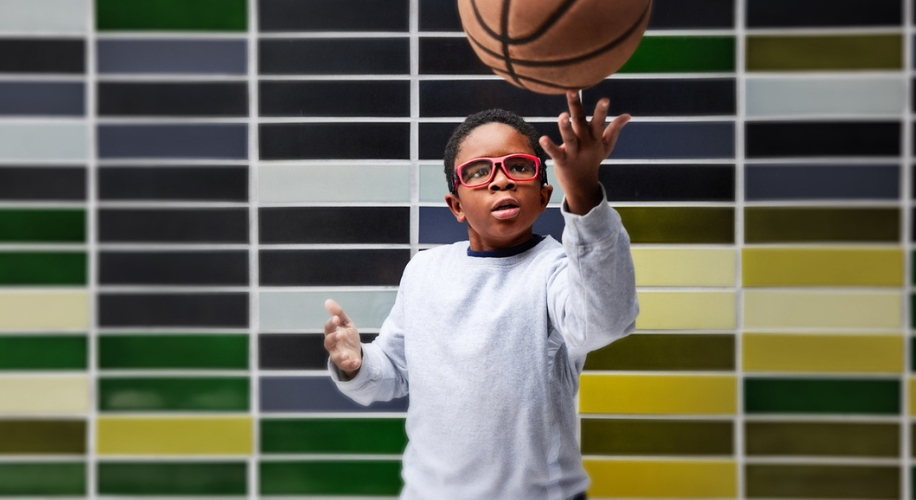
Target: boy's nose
501, 181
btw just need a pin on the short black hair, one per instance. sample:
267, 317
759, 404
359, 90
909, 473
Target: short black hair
482, 118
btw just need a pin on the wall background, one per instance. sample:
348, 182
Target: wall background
182, 183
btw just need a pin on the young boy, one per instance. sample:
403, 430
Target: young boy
489, 336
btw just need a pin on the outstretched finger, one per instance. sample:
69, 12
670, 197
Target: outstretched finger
569, 136
612, 132
550, 147
331, 325
599, 117
334, 309
576, 112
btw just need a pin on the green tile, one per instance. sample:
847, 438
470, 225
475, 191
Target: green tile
822, 481
679, 224
43, 268
827, 53
171, 15
682, 54
800, 225
42, 437
344, 477
172, 478
827, 439
43, 479
174, 394
42, 225
167, 351
666, 352
337, 435
43, 352
656, 437
829, 395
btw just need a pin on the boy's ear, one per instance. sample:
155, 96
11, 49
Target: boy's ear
546, 191
454, 204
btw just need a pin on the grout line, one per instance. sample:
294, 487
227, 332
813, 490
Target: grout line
906, 221
740, 115
92, 255
253, 253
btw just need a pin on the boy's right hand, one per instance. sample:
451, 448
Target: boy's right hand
342, 340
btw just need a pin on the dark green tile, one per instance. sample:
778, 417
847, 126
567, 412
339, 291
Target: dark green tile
42, 225
171, 15
827, 439
825, 53
43, 479
43, 352
43, 268
344, 477
338, 435
679, 224
656, 437
682, 54
828, 395
42, 437
172, 478
799, 225
665, 352
822, 481
174, 394
167, 351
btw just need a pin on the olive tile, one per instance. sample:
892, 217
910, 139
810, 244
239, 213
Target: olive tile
824, 52
44, 352
821, 224
58, 479
686, 310
656, 437
829, 309
216, 99
43, 268
197, 435
822, 396
342, 15
333, 435
824, 353
168, 15
771, 266
680, 266
43, 55
332, 267
200, 268
287, 478
336, 56
821, 182
173, 183
176, 351
822, 439
172, 478
822, 481
162, 394
658, 394
682, 478
42, 437
674, 352
334, 225
43, 183
204, 310
679, 224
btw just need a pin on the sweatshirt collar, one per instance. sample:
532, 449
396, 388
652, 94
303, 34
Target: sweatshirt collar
508, 252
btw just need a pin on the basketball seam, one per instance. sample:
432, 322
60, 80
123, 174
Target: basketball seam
504, 27
504, 37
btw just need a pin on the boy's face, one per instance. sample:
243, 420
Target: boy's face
499, 214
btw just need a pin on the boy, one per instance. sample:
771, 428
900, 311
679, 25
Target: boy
490, 335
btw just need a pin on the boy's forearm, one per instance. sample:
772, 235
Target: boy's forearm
581, 200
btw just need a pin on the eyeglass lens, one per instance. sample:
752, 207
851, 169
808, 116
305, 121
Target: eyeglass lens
517, 168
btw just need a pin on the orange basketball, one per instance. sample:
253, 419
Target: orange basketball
551, 45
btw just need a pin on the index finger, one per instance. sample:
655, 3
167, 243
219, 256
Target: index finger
335, 310
576, 110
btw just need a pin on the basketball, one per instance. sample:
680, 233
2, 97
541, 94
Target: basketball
549, 46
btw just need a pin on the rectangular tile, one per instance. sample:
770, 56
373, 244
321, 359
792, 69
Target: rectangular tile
911, 390
223, 99
682, 478
822, 439
340, 141
334, 225
216, 225
822, 267
316, 394
679, 224
812, 139
342, 15
172, 478
658, 394
438, 225
173, 183
286, 478
795, 352
332, 267
44, 16
174, 435
42, 98
43, 225
822, 481
305, 310
44, 352
308, 183
67, 479
43, 183
43, 56
438, 15
821, 182
168, 15
687, 182
42, 437
284, 351
43, 268
817, 224
682, 54
166, 352
822, 309
42, 141
334, 98
822, 396
824, 52
684, 266
664, 352
697, 14
824, 96
172, 56
44, 394
211, 268
677, 310
29, 310
228, 141
656, 437
179, 394
810, 13
336, 56
333, 435
213, 310
448, 55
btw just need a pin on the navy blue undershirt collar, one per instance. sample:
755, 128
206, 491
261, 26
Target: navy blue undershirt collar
508, 252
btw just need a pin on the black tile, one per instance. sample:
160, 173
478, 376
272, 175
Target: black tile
334, 225
174, 268
335, 98
339, 15
42, 99
224, 225
666, 97
692, 14
821, 182
214, 310
344, 141
811, 13
460, 98
786, 139
295, 352
43, 183
173, 99
173, 183
354, 56
668, 182
332, 267
438, 225
316, 394
42, 56
224, 141
439, 15
449, 56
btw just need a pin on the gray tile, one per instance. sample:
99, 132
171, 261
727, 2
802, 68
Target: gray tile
307, 183
305, 310
42, 98
47, 141
317, 394
44, 16
818, 182
173, 56
824, 96
676, 140
224, 141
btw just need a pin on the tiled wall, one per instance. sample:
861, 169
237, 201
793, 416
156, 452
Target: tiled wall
183, 182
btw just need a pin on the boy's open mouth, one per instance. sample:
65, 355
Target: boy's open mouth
506, 210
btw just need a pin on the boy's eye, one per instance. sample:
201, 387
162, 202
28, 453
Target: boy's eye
520, 166
476, 171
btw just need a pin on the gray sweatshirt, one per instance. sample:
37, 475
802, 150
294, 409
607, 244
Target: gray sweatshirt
490, 350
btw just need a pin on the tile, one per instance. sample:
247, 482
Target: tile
43, 268
284, 351
44, 352
43, 141
818, 138
203, 310
168, 15
665, 352
823, 96
44, 394
29, 310
824, 52
852, 266
683, 478
679, 224
42, 98
67, 479
172, 478
224, 99
810, 13
438, 225
181, 183
217, 225
822, 481
692, 14
333, 435
439, 15
316, 394
42, 225
172, 56
339, 141
44, 16
682, 54
822, 309
45, 55
210, 435
42, 437
822, 439
433, 186
821, 225
305, 310
448, 55
821, 182
332, 267
287, 478
686, 182
334, 225
656, 437
43, 184
676, 310
822, 396
676, 140
308, 183
176, 394
211, 268
342, 15
336, 56
911, 392
167, 352
198, 141
460, 98
658, 394
334, 98
818, 353
684, 266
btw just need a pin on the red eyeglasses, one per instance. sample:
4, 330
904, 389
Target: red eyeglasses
480, 171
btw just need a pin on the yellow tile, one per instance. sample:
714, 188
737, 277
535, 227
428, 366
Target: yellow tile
44, 394
822, 267
691, 310
658, 394
684, 266
911, 388
776, 352
44, 310
822, 309
174, 435
662, 478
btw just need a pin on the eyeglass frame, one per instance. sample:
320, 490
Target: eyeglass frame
540, 172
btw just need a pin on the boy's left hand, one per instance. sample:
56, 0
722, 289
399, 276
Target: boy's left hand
585, 145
